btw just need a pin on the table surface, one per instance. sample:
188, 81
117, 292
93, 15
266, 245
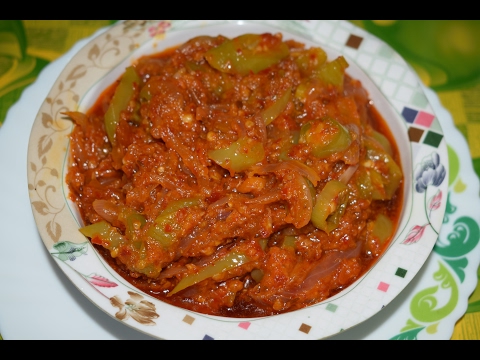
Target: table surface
444, 53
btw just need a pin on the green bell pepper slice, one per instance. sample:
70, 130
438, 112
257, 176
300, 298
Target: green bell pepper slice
385, 173
330, 206
121, 98
133, 222
230, 261
326, 137
310, 61
102, 233
333, 72
273, 111
383, 142
166, 227
383, 228
239, 156
247, 53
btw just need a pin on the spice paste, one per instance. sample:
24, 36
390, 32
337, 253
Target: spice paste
239, 177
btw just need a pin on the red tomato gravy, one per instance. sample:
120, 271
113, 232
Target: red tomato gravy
242, 177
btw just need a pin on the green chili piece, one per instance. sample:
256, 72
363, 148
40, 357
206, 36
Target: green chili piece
145, 92
312, 190
230, 261
395, 177
121, 98
166, 227
160, 234
390, 172
302, 90
382, 228
303, 132
383, 141
247, 53
133, 223
310, 61
239, 156
330, 206
176, 205
378, 186
287, 145
274, 110
326, 137
333, 72
364, 183
109, 235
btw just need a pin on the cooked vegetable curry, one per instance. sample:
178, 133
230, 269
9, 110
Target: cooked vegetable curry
239, 177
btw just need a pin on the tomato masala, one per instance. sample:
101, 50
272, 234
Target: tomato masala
238, 177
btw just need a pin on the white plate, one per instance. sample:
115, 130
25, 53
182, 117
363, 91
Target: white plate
43, 303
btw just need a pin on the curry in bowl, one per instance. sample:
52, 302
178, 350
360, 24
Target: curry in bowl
241, 176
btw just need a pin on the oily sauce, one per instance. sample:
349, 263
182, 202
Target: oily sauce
241, 177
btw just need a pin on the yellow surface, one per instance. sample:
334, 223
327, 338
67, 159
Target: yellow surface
49, 39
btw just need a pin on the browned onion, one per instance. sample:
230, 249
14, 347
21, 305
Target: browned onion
347, 174
106, 210
328, 264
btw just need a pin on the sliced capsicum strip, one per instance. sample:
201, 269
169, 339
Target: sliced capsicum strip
311, 60
383, 228
330, 206
230, 261
104, 234
385, 173
364, 184
121, 98
333, 72
383, 142
166, 227
239, 156
272, 112
326, 136
247, 53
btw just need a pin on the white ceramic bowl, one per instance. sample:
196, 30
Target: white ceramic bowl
396, 93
